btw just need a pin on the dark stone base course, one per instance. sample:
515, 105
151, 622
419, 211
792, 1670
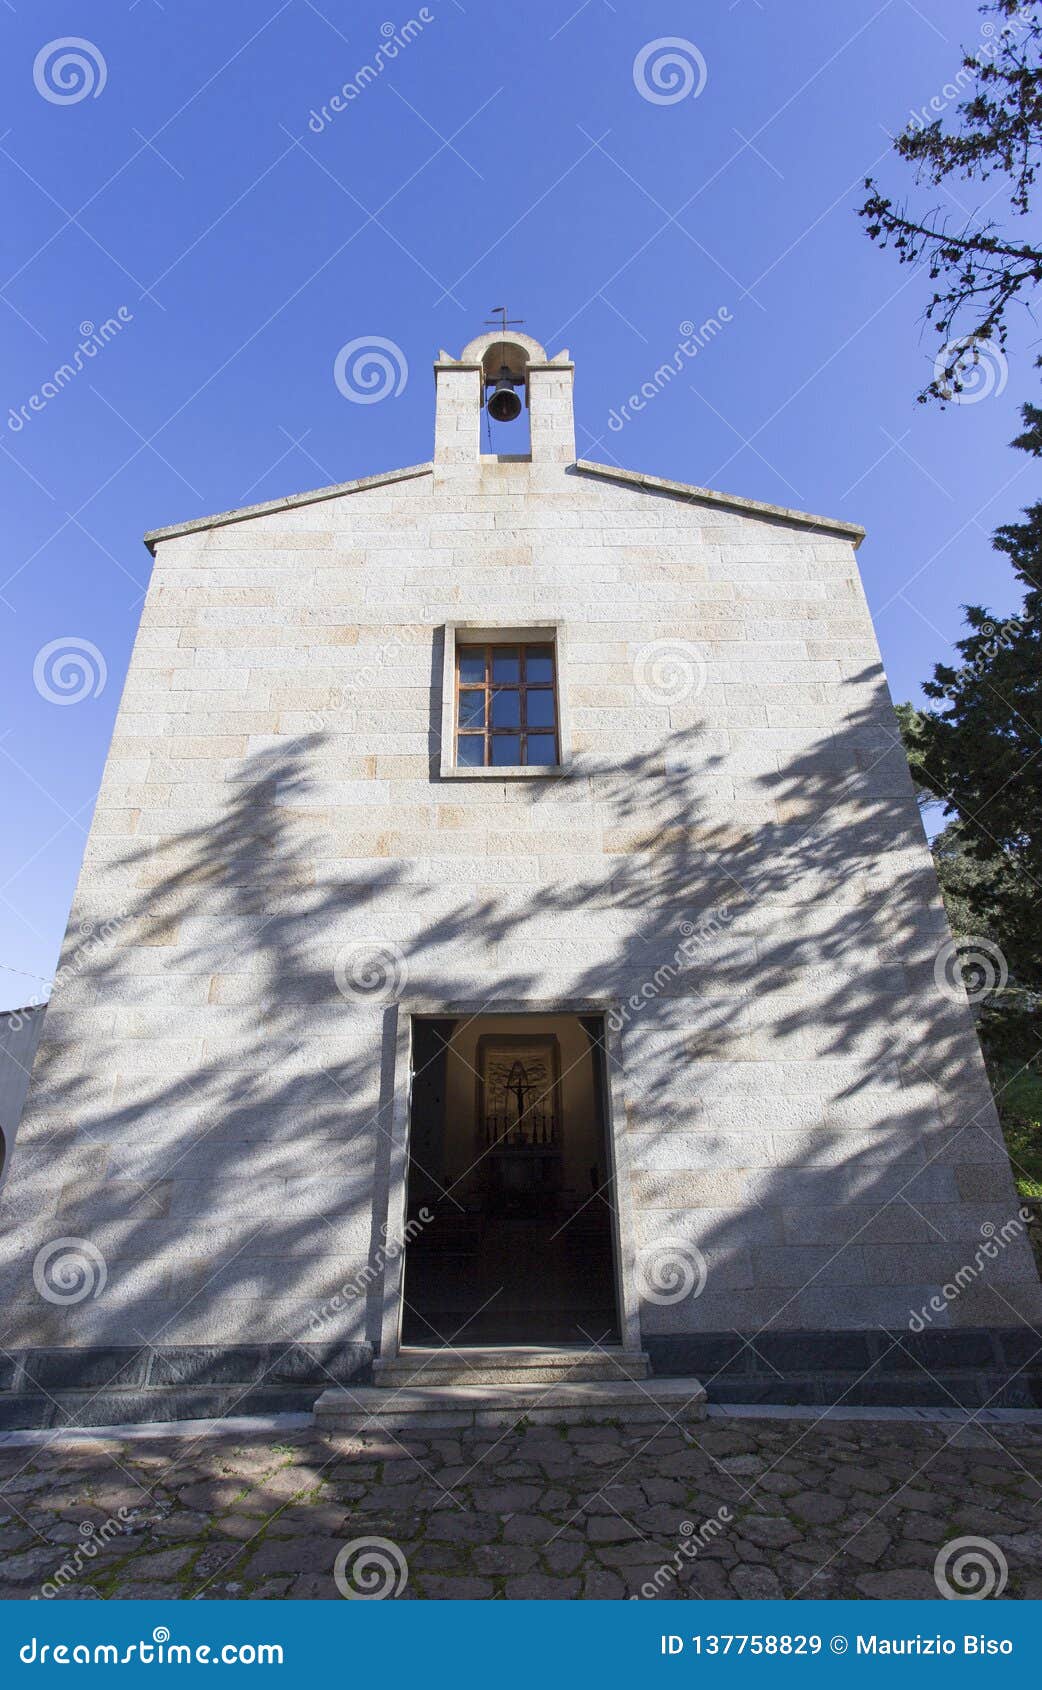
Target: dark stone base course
116, 1386
967, 1368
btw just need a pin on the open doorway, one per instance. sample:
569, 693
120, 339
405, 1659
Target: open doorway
508, 1155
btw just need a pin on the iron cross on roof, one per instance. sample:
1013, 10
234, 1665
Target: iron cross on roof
505, 321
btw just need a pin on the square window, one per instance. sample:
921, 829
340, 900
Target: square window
539, 665
539, 708
472, 665
506, 709
506, 665
541, 748
506, 750
470, 751
506, 705
472, 709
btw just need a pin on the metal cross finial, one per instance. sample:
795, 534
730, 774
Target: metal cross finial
505, 321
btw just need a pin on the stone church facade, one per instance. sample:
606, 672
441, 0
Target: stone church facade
506, 835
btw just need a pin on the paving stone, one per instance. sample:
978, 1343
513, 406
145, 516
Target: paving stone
31, 1565
538, 1587
510, 1558
808, 1527
900, 1585
602, 1586
161, 1566
461, 1589
816, 1507
978, 1522
919, 1529
609, 1528
142, 1591
562, 1557
528, 1528
504, 1499
869, 1543
292, 1555
457, 1526
189, 1524
768, 1531
756, 1584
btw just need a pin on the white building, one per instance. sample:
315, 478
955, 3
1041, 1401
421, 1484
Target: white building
516, 855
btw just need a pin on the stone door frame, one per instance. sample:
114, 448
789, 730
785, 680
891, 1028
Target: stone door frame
623, 1228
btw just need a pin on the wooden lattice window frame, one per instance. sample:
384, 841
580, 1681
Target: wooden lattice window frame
489, 687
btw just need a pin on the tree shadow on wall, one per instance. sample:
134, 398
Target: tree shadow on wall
211, 1106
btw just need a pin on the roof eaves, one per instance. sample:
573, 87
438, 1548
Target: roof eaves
292, 502
726, 501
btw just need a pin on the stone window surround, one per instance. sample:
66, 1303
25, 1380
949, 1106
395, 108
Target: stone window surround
503, 633
624, 1227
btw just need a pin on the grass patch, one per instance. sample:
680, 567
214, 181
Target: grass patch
1020, 1111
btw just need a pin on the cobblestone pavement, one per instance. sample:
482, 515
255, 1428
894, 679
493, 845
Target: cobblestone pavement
730, 1508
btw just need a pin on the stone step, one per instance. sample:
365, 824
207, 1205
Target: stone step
372, 1408
519, 1365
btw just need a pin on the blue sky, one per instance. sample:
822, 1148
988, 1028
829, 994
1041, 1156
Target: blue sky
506, 155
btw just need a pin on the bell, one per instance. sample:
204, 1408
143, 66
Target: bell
503, 402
